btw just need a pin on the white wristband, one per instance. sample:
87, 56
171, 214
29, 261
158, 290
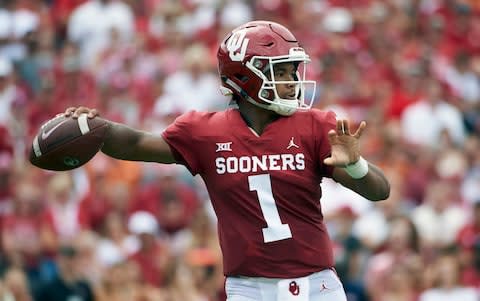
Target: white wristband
358, 169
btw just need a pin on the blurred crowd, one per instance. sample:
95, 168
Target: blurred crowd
123, 231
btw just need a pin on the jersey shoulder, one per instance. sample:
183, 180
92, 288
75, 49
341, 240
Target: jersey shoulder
316, 118
201, 121
322, 116
194, 117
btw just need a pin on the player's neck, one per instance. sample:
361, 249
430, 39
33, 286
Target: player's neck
256, 118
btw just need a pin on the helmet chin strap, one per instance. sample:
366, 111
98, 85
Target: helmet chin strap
283, 110
281, 107
276, 107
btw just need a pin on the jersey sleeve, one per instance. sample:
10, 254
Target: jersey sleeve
181, 138
323, 122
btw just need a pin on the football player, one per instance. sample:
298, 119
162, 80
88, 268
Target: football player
262, 161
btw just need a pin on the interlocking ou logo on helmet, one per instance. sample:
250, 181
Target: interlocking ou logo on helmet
237, 45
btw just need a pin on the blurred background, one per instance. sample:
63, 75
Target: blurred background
122, 231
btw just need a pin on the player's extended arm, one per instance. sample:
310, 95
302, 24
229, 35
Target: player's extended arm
125, 143
373, 184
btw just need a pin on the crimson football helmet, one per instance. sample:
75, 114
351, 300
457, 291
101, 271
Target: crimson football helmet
246, 62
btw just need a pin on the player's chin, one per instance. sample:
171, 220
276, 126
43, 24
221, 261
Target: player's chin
291, 98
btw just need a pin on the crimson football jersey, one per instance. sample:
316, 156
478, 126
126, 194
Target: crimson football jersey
265, 189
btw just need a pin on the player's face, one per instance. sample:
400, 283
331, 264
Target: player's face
285, 72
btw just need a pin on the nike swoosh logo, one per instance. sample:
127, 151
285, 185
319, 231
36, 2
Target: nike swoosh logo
49, 132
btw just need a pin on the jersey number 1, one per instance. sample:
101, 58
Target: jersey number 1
275, 230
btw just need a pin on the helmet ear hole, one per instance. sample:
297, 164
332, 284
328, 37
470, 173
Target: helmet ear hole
266, 94
241, 77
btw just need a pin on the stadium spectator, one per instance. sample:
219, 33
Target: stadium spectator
153, 254
440, 217
71, 82
116, 243
470, 182
402, 248
349, 252
171, 201
23, 238
90, 269
400, 285
63, 214
197, 74
93, 37
462, 79
16, 22
69, 283
446, 284
8, 91
183, 284
372, 227
6, 170
122, 281
111, 188
444, 118
16, 285
468, 240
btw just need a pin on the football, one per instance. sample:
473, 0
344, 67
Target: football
65, 143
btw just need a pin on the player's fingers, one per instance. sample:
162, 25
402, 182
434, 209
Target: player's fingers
93, 113
331, 135
346, 127
79, 111
360, 129
69, 111
328, 161
340, 127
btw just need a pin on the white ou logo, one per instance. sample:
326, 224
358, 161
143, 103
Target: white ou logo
237, 45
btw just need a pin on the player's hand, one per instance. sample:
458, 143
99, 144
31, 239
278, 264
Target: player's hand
345, 146
75, 112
